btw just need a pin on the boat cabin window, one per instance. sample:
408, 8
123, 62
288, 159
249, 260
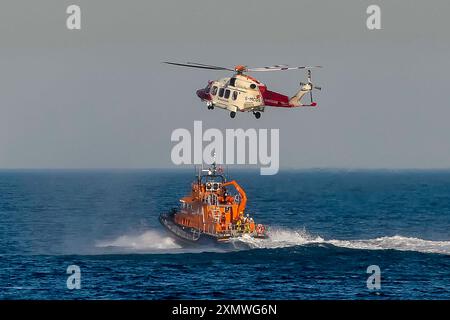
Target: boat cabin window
227, 94
205, 179
235, 94
221, 90
213, 186
233, 82
186, 206
214, 90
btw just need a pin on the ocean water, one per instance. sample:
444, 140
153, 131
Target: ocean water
326, 228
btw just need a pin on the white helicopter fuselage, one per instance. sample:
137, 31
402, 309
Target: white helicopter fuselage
237, 93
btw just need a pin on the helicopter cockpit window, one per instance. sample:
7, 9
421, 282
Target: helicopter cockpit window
235, 94
214, 90
233, 82
221, 90
227, 94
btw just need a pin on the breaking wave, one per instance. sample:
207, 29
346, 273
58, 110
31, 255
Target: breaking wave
280, 238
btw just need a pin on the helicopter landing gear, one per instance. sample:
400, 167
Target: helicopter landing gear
232, 114
210, 105
257, 114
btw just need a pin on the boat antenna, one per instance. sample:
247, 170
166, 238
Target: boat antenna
214, 167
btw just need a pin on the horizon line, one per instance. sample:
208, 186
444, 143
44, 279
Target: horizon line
234, 168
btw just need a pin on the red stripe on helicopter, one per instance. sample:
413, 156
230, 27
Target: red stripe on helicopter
274, 99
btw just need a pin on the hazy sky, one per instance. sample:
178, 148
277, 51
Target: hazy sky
100, 97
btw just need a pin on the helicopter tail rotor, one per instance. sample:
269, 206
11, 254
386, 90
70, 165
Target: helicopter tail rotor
309, 86
305, 88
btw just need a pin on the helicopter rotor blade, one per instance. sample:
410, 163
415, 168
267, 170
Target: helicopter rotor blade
208, 65
190, 65
280, 68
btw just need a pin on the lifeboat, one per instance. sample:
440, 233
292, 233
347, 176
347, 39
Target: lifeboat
214, 211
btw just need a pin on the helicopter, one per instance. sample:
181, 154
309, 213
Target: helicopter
243, 93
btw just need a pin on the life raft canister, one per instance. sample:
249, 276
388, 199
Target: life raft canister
260, 229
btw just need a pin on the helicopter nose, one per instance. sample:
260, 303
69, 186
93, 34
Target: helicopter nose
201, 93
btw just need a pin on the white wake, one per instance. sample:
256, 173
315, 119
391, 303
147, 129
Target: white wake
397, 243
280, 238
155, 241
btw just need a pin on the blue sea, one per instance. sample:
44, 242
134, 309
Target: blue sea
326, 228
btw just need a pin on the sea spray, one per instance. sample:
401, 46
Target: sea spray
148, 240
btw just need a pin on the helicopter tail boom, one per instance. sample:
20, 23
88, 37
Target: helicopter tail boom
275, 99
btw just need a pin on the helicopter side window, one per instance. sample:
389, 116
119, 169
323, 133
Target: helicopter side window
214, 90
221, 90
235, 94
227, 94
233, 82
